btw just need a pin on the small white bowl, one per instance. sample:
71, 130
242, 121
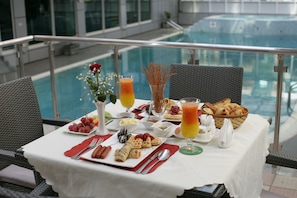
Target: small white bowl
149, 121
163, 129
125, 115
129, 123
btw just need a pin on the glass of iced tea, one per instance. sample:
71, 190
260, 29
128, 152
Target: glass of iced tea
190, 125
127, 96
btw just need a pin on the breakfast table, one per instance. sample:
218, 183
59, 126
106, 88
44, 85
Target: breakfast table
239, 167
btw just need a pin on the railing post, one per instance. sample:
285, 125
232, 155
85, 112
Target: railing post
193, 56
51, 52
280, 69
20, 59
115, 57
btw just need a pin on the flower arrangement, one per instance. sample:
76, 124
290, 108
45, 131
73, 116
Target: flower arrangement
100, 87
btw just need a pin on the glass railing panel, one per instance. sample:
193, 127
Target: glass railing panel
8, 67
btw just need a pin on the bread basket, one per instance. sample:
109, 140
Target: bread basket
236, 120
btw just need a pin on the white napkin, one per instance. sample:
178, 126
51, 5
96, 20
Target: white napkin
208, 122
226, 134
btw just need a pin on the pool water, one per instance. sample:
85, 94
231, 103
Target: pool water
259, 87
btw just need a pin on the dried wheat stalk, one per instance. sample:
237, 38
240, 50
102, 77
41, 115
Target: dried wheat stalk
157, 77
157, 74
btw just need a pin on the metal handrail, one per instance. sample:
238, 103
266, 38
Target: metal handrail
280, 52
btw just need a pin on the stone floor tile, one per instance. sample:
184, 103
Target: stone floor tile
268, 178
285, 182
290, 193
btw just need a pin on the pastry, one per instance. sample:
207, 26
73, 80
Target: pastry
122, 154
135, 153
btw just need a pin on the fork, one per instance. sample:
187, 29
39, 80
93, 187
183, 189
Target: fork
90, 146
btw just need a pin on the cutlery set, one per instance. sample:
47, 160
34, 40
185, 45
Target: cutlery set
95, 142
161, 155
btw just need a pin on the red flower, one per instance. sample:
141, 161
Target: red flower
95, 68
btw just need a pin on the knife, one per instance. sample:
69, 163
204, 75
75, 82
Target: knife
147, 162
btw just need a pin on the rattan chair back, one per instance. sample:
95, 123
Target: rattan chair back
208, 83
20, 115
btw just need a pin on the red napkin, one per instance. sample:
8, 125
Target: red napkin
71, 152
139, 110
173, 148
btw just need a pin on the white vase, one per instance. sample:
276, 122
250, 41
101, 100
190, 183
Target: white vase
101, 130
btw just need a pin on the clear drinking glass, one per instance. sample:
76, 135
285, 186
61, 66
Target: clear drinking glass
127, 96
190, 125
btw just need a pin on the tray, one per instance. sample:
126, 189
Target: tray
114, 143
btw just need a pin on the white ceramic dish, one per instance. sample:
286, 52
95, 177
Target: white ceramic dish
129, 163
149, 124
113, 126
125, 115
129, 123
163, 129
80, 133
206, 136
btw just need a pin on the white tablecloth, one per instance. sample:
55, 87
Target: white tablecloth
239, 167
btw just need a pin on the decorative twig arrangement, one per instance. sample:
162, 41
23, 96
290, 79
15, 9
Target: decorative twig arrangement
157, 77
157, 74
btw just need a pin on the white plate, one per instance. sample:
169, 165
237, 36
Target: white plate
80, 133
171, 120
114, 143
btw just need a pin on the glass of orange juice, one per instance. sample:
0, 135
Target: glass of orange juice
190, 125
127, 96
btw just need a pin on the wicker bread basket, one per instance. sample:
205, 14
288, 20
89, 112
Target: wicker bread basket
236, 120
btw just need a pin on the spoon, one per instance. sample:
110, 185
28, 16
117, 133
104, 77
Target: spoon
163, 155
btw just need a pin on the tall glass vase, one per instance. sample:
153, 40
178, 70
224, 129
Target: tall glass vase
157, 97
101, 130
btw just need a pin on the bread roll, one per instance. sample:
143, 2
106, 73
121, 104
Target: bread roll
222, 111
211, 106
238, 111
207, 110
231, 106
221, 103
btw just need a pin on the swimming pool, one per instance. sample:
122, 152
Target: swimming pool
259, 79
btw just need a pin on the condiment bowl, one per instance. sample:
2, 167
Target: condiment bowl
149, 121
129, 123
163, 129
125, 115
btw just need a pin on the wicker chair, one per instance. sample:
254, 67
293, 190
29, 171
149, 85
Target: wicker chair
8, 193
21, 123
208, 83
227, 82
